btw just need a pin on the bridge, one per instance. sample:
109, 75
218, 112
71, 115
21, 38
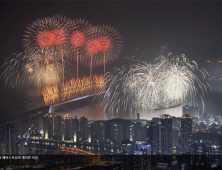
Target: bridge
74, 89
74, 151
97, 148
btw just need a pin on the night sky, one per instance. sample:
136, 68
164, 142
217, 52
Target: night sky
193, 28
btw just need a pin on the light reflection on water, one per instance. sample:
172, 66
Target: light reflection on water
95, 112
23, 101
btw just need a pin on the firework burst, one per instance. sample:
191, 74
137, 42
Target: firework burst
168, 82
78, 39
110, 43
105, 45
47, 35
43, 72
13, 69
116, 97
37, 72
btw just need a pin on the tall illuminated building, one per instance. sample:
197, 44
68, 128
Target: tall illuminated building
153, 136
186, 134
67, 127
143, 160
2, 147
139, 131
175, 138
10, 140
127, 147
75, 128
22, 147
98, 134
166, 135
58, 129
118, 130
83, 128
90, 131
48, 126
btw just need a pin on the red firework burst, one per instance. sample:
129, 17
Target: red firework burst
45, 39
47, 36
111, 42
77, 39
104, 43
109, 45
93, 46
59, 36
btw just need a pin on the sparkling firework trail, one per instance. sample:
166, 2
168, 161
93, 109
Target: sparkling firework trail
116, 98
168, 82
13, 69
36, 71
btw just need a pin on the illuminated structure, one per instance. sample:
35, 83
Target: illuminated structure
153, 136
186, 134
139, 131
127, 147
73, 88
10, 140
118, 130
22, 147
175, 138
176, 132
166, 135
90, 131
143, 160
83, 128
58, 129
75, 128
66, 127
48, 126
98, 131
2, 147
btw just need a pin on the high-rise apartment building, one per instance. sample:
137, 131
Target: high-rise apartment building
175, 135
166, 135
10, 140
143, 161
152, 136
98, 131
186, 134
22, 147
2, 147
90, 131
139, 131
127, 147
75, 128
67, 127
48, 126
83, 128
58, 127
117, 130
